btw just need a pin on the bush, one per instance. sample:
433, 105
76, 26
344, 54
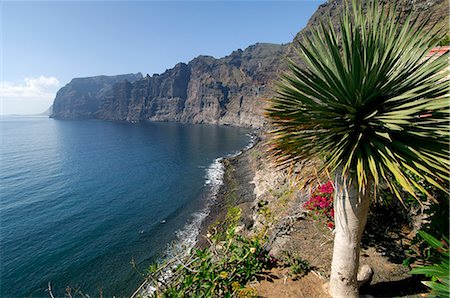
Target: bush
222, 270
436, 223
297, 266
439, 271
321, 203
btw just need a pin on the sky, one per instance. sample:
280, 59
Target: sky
46, 44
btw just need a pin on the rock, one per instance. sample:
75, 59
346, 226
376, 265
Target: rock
224, 91
227, 91
364, 277
82, 97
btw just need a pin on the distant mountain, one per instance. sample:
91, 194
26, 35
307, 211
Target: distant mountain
229, 90
205, 90
47, 112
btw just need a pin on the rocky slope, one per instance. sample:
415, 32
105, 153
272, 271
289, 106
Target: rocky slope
206, 90
229, 90
82, 97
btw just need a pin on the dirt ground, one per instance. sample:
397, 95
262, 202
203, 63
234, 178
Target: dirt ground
383, 246
312, 241
279, 285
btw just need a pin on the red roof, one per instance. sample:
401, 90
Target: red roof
438, 51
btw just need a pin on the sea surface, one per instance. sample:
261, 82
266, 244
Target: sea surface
82, 201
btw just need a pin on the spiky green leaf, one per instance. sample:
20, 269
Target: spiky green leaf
369, 100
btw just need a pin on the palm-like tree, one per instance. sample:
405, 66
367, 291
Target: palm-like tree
373, 105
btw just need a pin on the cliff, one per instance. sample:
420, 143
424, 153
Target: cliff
82, 96
205, 90
228, 91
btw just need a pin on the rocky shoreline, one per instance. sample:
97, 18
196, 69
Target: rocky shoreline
250, 181
269, 202
237, 190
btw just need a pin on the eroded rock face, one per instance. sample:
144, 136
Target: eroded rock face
229, 90
83, 97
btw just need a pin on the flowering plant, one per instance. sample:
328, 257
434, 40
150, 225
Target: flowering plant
321, 203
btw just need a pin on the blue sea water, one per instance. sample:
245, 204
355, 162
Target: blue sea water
82, 200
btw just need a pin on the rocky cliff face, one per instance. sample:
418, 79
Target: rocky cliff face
229, 90
82, 96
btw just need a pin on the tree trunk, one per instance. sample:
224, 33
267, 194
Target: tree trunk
350, 215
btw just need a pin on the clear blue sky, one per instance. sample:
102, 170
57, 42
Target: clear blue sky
46, 44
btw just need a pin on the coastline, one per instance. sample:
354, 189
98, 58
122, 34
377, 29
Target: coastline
268, 202
229, 184
236, 190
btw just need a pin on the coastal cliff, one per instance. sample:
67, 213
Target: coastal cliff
226, 91
82, 97
206, 90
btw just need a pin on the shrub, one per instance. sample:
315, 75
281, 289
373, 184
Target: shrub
222, 270
439, 271
321, 203
297, 266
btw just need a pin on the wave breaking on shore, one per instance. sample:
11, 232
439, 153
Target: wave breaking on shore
186, 238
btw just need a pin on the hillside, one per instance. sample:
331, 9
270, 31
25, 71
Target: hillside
226, 91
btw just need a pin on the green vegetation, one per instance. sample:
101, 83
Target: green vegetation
255, 154
370, 102
445, 41
374, 107
439, 270
263, 209
429, 250
284, 194
220, 228
223, 270
297, 266
441, 41
233, 216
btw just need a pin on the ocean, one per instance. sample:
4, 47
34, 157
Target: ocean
91, 204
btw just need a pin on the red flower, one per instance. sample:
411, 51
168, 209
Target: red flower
321, 202
326, 188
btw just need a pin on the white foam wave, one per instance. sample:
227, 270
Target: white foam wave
214, 175
187, 236
250, 145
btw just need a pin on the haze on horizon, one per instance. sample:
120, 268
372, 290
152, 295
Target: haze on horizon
46, 44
